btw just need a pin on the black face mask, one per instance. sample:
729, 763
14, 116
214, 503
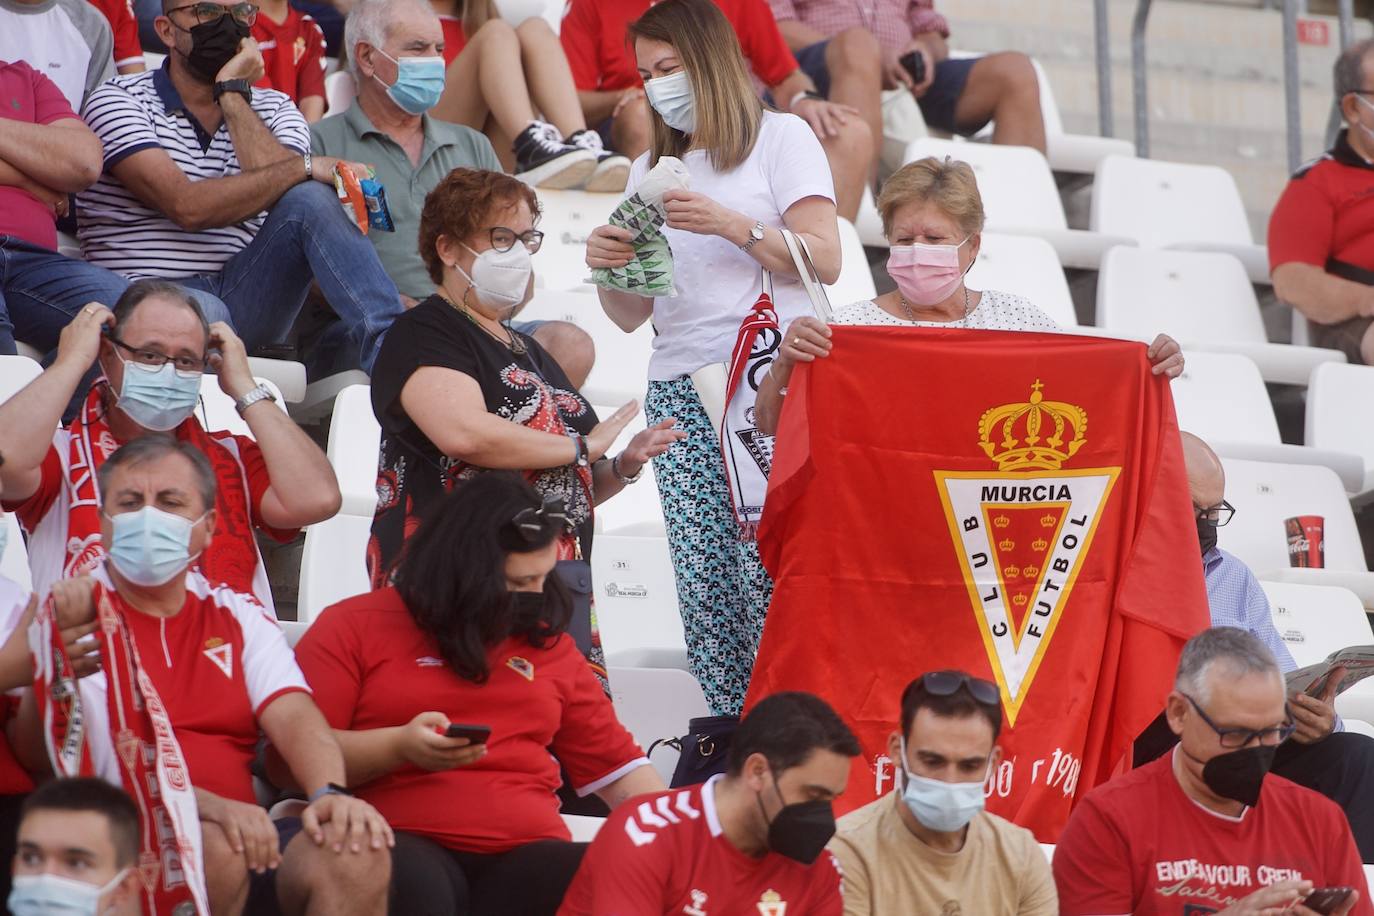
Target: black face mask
1238, 775
527, 608
1206, 535
800, 831
213, 44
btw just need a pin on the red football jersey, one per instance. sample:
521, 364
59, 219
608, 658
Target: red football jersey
593, 36
455, 39
1139, 845
1326, 211
667, 853
124, 25
14, 601
292, 54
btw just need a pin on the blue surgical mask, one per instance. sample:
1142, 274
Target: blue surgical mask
671, 97
53, 895
150, 547
941, 806
158, 398
419, 82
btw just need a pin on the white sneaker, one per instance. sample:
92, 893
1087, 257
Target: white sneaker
612, 169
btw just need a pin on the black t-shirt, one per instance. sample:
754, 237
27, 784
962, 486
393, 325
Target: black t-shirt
529, 389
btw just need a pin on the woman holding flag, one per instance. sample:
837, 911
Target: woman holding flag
753, 172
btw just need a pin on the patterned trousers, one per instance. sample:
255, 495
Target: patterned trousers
722, 588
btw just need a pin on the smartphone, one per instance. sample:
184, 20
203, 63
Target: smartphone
476, 734
913, 63
1325, 900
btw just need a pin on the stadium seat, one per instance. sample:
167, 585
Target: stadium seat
216, 410
583, 828
1338, 399
355, 439
567, 218
69, 247
318, 400
14, 561
1315, 621
288, 375
855, 282
1026, 266
869, 222
294, 630
636, 509
333, 564
621, 371
1203, 300
15, 373
636, 594
32, 353
1175, 205
656, 704
1020, 197
153, 60
339, 91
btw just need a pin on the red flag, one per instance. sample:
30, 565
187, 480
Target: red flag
1011, 504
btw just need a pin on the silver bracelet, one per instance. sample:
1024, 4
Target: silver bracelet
615, 469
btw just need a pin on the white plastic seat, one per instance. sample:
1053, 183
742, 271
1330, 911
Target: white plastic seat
15, 373
318, 400
654, 704
287, 374
636, 509
855, 282
339, 91
566, 219
621, 370
1175, 205
355, 438
294, 630
869, 222
153, 60
1338, 399
1025, 266
1203, 300
583, 828
216, 409
1315, 621
1020, 197
636, 594
333, 564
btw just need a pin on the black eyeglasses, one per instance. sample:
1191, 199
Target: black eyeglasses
206, 12
947, 683
186, 366
1218, 516
1242, 737
503, 239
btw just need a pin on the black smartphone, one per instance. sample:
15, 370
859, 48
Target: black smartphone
913, 63
1324, 900
476, 734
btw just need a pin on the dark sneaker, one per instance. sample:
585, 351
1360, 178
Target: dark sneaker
612, 169
544, 160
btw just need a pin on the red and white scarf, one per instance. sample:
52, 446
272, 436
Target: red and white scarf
138, 748
748, 453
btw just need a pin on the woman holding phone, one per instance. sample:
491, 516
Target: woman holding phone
753, 172
471, 634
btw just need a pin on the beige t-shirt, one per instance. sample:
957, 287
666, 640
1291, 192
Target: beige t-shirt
1000, 871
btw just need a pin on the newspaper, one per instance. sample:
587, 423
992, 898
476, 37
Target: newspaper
1354, 664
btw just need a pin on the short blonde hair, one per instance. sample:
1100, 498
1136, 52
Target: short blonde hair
947, 183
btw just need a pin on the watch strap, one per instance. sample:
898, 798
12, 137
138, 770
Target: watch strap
755, 235
329, 788
260, 393
239, 86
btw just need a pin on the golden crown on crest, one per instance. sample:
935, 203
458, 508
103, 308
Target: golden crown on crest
1048, 521
1012, 572
1039, 544
1013, 435
1001, 521
1006, 544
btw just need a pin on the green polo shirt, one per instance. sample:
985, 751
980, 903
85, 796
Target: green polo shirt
352, 136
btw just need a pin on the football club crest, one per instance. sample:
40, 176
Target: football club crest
521, 666
222, 654
1022, 531
772, 904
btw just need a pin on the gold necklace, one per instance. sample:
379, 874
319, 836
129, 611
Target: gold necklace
911, 316
515, 344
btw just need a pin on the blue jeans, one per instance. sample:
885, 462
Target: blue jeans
306, 237
41, 291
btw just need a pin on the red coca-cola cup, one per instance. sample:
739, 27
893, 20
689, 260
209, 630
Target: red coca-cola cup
1306, 544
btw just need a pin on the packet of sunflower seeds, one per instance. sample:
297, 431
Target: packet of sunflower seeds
650, 272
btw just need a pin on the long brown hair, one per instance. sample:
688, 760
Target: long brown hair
475, 15
728, 112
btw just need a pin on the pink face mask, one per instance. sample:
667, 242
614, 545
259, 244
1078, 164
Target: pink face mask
925, 274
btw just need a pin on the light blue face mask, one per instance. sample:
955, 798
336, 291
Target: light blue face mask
54, 895
150, 547
671, 97
419, 82
944, 807
158, 398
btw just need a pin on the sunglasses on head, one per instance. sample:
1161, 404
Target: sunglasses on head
948, 683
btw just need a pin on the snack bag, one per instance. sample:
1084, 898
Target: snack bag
363, 199
650, 272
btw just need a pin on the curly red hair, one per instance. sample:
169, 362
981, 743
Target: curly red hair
460, 206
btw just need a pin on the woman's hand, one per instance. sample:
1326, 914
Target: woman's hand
649, 443
806, 339
421, 742
1166, 356
605, 433
691, 211
609, 246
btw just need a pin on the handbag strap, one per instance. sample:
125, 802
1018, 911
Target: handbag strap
810, 280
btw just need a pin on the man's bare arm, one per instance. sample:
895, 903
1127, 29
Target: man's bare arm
1320, 296
64, 155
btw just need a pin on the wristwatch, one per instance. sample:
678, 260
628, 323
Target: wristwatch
755, 236
240, 86
615, 469
329, 788
260, 393
582, 459
309, 165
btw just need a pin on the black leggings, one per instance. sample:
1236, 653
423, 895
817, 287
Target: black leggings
432, 880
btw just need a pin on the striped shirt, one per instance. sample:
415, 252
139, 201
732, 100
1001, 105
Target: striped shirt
144, 111
893, 22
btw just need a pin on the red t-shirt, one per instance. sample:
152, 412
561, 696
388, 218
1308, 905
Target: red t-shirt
1326, 211
28, 96
217, 664
120, 13
593, 36
455, 39
372, 667
14, 601
292, 55
1139, 845
667, 853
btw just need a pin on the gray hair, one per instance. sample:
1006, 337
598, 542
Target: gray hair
1240, 651
1347, 74
370, 21
152, 447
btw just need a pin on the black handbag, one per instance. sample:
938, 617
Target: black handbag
576, 576
703, 752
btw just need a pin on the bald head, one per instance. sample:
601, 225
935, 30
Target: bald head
1206, 477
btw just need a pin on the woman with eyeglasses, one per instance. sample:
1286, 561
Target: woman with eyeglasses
455, 694
457, 391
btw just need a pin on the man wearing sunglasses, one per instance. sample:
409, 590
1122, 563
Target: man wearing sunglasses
208, 180
929, 847
1207, 828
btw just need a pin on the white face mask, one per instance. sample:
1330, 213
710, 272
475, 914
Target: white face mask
500, 278
945, 807
671, 96
1368, 131
53, 895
